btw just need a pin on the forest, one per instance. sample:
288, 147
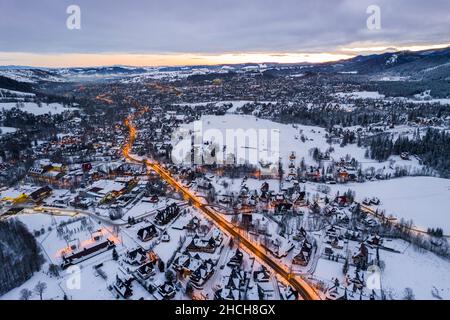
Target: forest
433, 149
20, 255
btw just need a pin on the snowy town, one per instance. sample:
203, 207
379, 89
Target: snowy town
227, 181
111, 206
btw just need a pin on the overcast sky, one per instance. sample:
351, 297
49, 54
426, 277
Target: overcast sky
36, 31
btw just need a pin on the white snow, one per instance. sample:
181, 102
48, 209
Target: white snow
15, 93
360, 95
425, 200
4, 130
422, 271
32, 107
289, 140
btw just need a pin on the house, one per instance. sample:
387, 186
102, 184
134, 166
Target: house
265, 289
146, 270
227, 294
282, 207
300, 235
225, 199
342, 175
313, 175
40, 194
232, 286
335, 242
168, 214
261, 275
236, 259
330, 210
202, 245
186, 264
328, 251
165, 237
342, 201
303, 257
123, 286
361, 257
147, 233
193, 224
166, 290
74, 254
204, 184
375, 240
333, 231
289, 294
279, 246
137, 257
298, 197
336, 293
202, 274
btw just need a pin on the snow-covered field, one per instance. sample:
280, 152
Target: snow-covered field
360, 95
4, 130
290, 139
425, 200
422, 98
34, 108
430, 101
15, 93
421, 271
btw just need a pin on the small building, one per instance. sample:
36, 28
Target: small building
303, 257
236, 259
146, 270
147, 233
40, 194
123, 286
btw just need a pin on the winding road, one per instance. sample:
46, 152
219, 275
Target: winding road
305, 290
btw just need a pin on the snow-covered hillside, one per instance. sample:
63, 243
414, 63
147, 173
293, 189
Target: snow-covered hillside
34, 108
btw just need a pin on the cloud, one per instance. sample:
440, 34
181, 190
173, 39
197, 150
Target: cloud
217, 27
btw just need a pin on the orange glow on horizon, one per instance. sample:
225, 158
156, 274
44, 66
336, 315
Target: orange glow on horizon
156, 60
54, 60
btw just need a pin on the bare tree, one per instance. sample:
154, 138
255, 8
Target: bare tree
40, 288
25, 294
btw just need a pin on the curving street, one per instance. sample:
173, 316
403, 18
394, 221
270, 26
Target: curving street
305, 290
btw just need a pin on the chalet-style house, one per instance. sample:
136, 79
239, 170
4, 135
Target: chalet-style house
303, 257
147, 233
361, 257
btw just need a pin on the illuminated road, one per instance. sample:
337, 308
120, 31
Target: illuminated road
304, 289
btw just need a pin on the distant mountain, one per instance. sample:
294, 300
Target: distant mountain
33, 75
101, 70
417, 65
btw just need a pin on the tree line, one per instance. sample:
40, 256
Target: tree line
20, 255
433, 149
